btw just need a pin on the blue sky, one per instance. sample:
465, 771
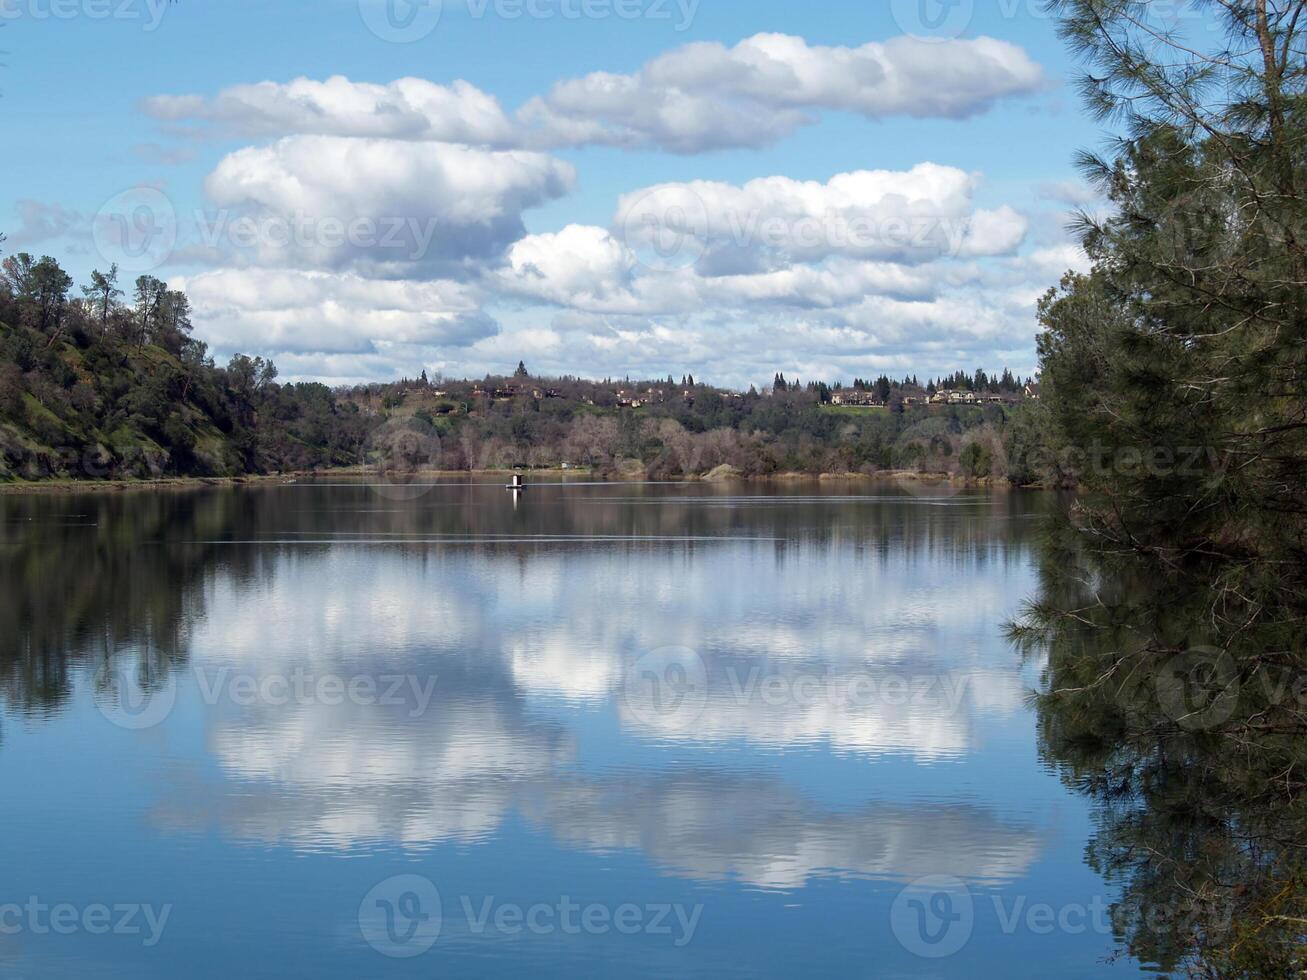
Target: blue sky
521, 227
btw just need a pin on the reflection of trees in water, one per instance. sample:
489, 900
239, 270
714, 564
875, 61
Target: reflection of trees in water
1198, 776
94, 578
87, 580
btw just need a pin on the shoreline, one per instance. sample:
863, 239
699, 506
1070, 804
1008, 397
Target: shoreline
183, 483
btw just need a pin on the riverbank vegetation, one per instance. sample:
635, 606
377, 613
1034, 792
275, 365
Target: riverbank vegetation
110, 387
1174, 604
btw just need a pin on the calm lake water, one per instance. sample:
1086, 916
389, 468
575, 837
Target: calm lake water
342, 730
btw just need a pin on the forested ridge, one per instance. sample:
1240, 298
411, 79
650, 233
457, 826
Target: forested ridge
95, 388
110, 385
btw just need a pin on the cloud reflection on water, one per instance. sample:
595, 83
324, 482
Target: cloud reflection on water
512, 638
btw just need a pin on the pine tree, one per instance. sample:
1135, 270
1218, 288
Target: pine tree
1189, 337
103, 292
1174, 380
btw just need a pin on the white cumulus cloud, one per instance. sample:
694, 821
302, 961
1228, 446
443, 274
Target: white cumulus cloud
407, 108
910, 216
386, 202
706, 96
695, 98
273, 310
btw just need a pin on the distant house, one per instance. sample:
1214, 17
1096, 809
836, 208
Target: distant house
856, 397
946, 397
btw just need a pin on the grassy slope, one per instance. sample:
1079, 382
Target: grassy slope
73, 444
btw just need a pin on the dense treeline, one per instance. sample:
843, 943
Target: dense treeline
663, 430
112, 386
1175, 627
94, 387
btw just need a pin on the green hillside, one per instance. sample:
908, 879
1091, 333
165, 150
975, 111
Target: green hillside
93, 389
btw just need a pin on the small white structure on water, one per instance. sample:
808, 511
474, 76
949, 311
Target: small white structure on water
516, 487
